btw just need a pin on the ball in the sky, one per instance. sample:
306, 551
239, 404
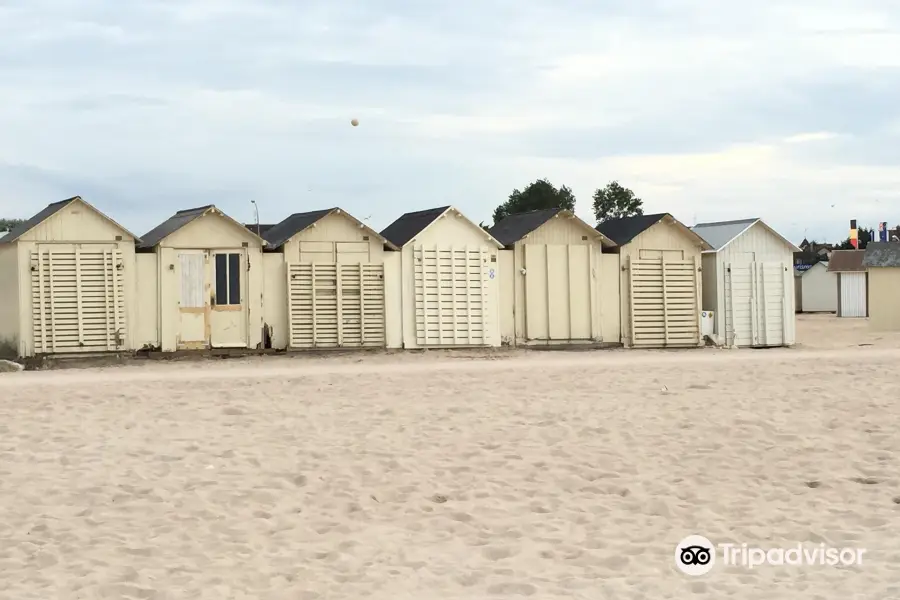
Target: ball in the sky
354, 122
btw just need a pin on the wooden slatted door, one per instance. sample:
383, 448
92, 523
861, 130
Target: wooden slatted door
78, 298
664, 300
336, 305
451, 298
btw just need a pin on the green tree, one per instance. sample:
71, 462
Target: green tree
537, 195
7, 224
615, 201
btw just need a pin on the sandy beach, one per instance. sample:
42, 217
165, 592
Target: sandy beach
462, 475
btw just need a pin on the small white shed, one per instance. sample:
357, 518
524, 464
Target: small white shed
333, 291
820, 289
555, 283
68, 281
449, 273
748, 281
852, 283
208, 281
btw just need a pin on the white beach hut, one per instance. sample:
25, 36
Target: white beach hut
819, 289
748, 279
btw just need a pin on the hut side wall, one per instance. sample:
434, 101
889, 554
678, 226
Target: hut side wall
10, 319
274, 298
146, 330
884, 291
610, 299
393, 299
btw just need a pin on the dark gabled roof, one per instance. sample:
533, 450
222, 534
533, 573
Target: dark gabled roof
882, 254
29, 224
513, 228
846, 261
411, 224
261, 228
291, 226
277, 236
171, 225
625, 229
51, 209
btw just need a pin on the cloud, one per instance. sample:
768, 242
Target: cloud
815, 136
719, 110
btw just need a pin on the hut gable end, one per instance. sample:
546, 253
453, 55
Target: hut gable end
202, 227
72, 219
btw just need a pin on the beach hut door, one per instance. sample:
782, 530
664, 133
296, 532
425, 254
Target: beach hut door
78, 298
193, 308
664, 301
450, 296
228, 303
754, 304
558, 289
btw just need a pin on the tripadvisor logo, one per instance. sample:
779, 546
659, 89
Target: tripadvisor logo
696, 555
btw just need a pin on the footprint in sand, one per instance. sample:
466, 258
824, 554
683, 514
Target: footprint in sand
495, 553
512, 589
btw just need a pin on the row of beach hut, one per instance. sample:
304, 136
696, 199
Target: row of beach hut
855, 284
76, 281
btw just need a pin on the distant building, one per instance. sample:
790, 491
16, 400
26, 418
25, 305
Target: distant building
811, 253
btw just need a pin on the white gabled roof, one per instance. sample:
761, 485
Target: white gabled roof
722, 233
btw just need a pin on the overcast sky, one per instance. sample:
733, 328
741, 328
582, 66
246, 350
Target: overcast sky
711, 110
